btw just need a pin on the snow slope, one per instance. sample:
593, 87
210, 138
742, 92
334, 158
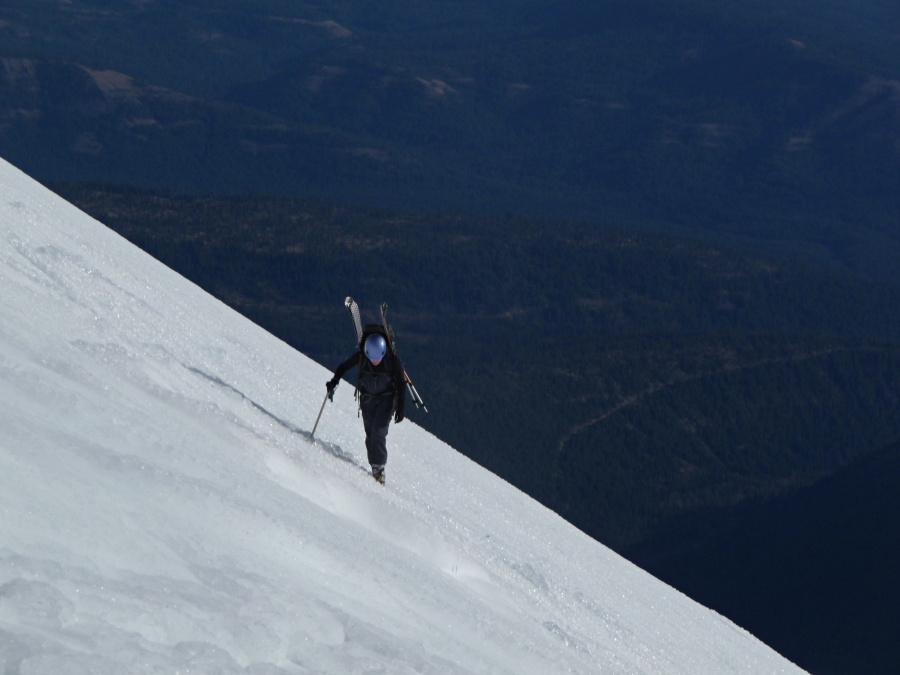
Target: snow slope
162, 509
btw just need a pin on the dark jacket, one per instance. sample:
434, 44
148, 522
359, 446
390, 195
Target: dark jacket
387, 378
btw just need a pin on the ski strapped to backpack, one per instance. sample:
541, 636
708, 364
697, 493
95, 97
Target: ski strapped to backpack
353, 308
384, 329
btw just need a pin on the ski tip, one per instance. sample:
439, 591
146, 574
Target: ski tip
348, 301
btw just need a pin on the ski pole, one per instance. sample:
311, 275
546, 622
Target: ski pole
328, 395
414, 392
390, 334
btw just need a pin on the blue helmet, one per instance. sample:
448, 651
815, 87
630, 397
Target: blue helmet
375, 347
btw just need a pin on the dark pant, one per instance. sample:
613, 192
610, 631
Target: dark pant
376, 414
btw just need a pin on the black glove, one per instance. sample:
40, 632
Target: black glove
398, 416
331, 384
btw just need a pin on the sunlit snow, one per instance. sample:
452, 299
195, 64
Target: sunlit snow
162, 509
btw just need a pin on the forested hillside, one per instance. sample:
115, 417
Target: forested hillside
769, 125
826, 589
622, 379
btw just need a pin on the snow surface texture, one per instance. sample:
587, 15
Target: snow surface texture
162, 509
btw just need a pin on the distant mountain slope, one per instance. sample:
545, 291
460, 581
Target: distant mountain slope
622, 379
771, 125
826, 590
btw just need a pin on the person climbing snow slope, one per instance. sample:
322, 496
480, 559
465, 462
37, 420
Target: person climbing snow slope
381, 392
